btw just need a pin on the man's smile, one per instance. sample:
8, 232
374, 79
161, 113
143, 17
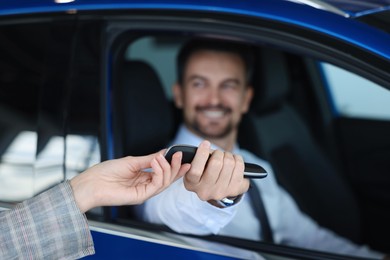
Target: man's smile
213, 113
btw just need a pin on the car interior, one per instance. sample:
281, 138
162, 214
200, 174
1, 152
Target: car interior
139, 89
277, 128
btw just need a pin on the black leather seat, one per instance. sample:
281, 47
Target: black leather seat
143, 121
275, 131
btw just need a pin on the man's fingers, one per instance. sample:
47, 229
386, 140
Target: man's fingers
240, 184
198, 163
213, 168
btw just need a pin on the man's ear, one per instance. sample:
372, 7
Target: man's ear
177, 95
249, 92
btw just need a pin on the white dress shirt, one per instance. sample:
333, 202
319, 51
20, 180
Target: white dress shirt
183, 212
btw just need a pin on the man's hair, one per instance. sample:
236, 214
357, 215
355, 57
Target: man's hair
242, 50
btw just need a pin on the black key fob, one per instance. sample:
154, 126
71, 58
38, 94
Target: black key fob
251, 170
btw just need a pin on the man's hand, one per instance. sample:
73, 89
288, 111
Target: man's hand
123, 181
217, 177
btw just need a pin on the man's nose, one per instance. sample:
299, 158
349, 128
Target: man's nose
214, 96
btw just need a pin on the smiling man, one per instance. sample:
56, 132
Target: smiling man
213, 91
213, 94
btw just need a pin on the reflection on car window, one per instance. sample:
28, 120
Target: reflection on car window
81, 153
24, 173
18, 151
43, 122
355, 96
16, 171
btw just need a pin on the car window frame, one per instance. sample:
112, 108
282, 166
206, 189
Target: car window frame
267, 33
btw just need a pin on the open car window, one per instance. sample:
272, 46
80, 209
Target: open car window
314, 95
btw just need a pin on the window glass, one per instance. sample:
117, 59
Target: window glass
49, 110
21, 71
82, 152
355, 96
82, 122
83, 119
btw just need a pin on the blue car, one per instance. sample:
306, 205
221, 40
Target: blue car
83, 81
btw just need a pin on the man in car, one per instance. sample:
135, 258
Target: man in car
213, 91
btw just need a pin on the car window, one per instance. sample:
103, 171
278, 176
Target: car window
20, 77
300, 104
354, 96
49, 122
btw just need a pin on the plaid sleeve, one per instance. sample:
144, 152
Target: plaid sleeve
48, 226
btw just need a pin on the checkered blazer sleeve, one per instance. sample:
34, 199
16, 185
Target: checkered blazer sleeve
48, 226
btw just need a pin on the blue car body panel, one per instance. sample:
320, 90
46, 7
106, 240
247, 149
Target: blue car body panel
354, 8
288, 12
113, 246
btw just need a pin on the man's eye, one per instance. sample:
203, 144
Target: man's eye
198, 84
229, 86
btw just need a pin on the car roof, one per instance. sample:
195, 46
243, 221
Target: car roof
348, 8
329, 20
343, 7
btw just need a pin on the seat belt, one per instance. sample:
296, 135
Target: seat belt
261, 214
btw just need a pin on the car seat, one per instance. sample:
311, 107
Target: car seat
275, 131
143, 121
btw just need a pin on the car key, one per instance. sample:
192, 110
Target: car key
251, 170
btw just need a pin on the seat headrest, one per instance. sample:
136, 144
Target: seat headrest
145, 114
272, 83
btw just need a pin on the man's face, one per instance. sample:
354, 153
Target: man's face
214, 94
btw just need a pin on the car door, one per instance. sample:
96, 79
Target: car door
307, 46
361, 127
